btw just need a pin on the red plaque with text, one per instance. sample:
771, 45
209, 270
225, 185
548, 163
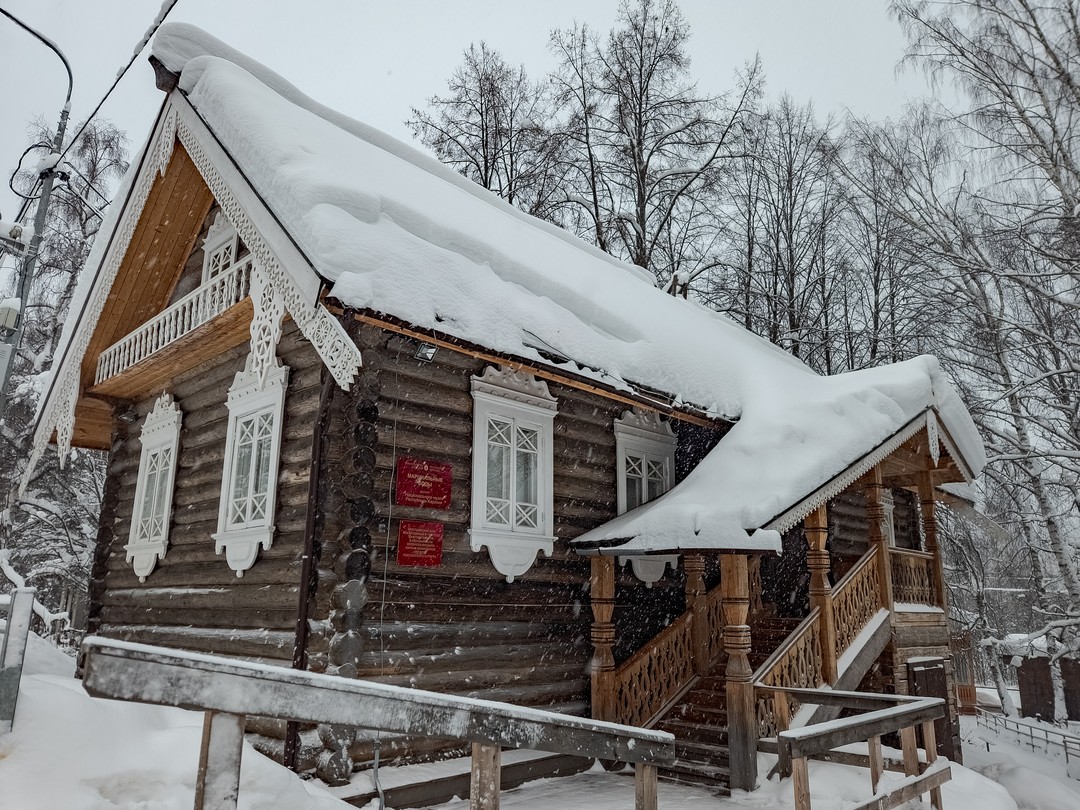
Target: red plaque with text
423, 483
419, 543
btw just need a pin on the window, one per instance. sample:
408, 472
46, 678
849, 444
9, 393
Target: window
249, 477
219, 248
645, 455
513, 417
645, 452
160, 439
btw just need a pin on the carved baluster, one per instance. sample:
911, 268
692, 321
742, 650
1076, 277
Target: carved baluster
929, 526
695, 603
817, 560
742, 718
602, 666
878, 538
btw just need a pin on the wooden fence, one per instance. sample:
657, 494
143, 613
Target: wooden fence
228, 691
901, 715
17, 608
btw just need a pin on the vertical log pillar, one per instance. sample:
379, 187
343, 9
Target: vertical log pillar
816, 527
742, 718
218, 781
878, 534
602, 666
486, 779
695, 602
928, 509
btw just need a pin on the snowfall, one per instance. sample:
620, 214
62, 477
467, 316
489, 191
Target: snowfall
74, 752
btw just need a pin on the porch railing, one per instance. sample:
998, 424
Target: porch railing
795, 664
912, 576
193, 310
856, 600
657, 673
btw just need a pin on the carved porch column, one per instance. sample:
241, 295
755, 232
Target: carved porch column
878, 533
928, 512
695, 602
742, 718
602, 666
816, 527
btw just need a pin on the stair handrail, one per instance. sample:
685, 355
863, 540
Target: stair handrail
856, 600
647, 682
912, 576
774, 709
795, 746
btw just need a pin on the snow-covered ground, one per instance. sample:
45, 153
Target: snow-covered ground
75, 752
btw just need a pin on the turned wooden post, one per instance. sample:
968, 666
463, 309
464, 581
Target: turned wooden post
695, 602
878, 537
816, 527
742, 718
602, 666
928, 509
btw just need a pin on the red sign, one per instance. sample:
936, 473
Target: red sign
419, 543
423, 483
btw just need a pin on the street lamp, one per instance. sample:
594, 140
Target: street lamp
11, 342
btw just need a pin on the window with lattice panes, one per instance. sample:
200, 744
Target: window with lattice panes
251, 469
256, 406
148, 539
220, 248
512, 481
645, 453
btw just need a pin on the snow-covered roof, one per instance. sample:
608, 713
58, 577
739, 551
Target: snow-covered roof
396, 232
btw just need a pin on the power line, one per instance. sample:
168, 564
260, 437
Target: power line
135, 55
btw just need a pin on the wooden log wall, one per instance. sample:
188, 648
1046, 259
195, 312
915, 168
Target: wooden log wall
460, 627
192, 599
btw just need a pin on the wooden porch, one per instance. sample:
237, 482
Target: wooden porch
719, 676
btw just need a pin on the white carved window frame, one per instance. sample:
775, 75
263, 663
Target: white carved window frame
643, 434
523, 401
252, 393
220, 247
148, 539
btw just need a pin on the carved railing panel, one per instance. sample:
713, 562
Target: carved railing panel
714, 610
193, 310
655, 674
796, 664
856, 600
912, 576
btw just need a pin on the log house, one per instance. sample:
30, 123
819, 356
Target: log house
304, 473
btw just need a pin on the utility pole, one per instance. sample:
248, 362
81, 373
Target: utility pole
47, 176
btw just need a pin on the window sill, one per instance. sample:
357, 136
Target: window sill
144, 555
511, 553
242, 545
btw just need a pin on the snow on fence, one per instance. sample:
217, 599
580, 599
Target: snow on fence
795, 746
17, 608
229, 690
1036, 737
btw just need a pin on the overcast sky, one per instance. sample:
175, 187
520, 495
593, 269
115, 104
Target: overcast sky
373, 59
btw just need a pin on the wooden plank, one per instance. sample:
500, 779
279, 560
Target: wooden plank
911, 751
807, 741
876, 762
484, 785
164, 677
909, 790
644, 786
800, 777
218, 782
930, 745
13, 653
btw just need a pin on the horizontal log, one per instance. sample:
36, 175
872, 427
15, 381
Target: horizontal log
163, 677
910, 789
809, 740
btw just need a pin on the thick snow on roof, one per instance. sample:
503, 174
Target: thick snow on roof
396, 232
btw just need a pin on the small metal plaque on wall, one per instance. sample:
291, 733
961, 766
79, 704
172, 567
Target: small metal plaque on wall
419, 543
424, 483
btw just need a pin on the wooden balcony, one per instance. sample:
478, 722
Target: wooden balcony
202, 324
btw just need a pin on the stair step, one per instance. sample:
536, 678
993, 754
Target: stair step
705, 754
696, 732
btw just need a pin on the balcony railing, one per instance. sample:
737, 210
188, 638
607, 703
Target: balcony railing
193, 310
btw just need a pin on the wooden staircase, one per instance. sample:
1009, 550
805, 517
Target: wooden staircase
699, 719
